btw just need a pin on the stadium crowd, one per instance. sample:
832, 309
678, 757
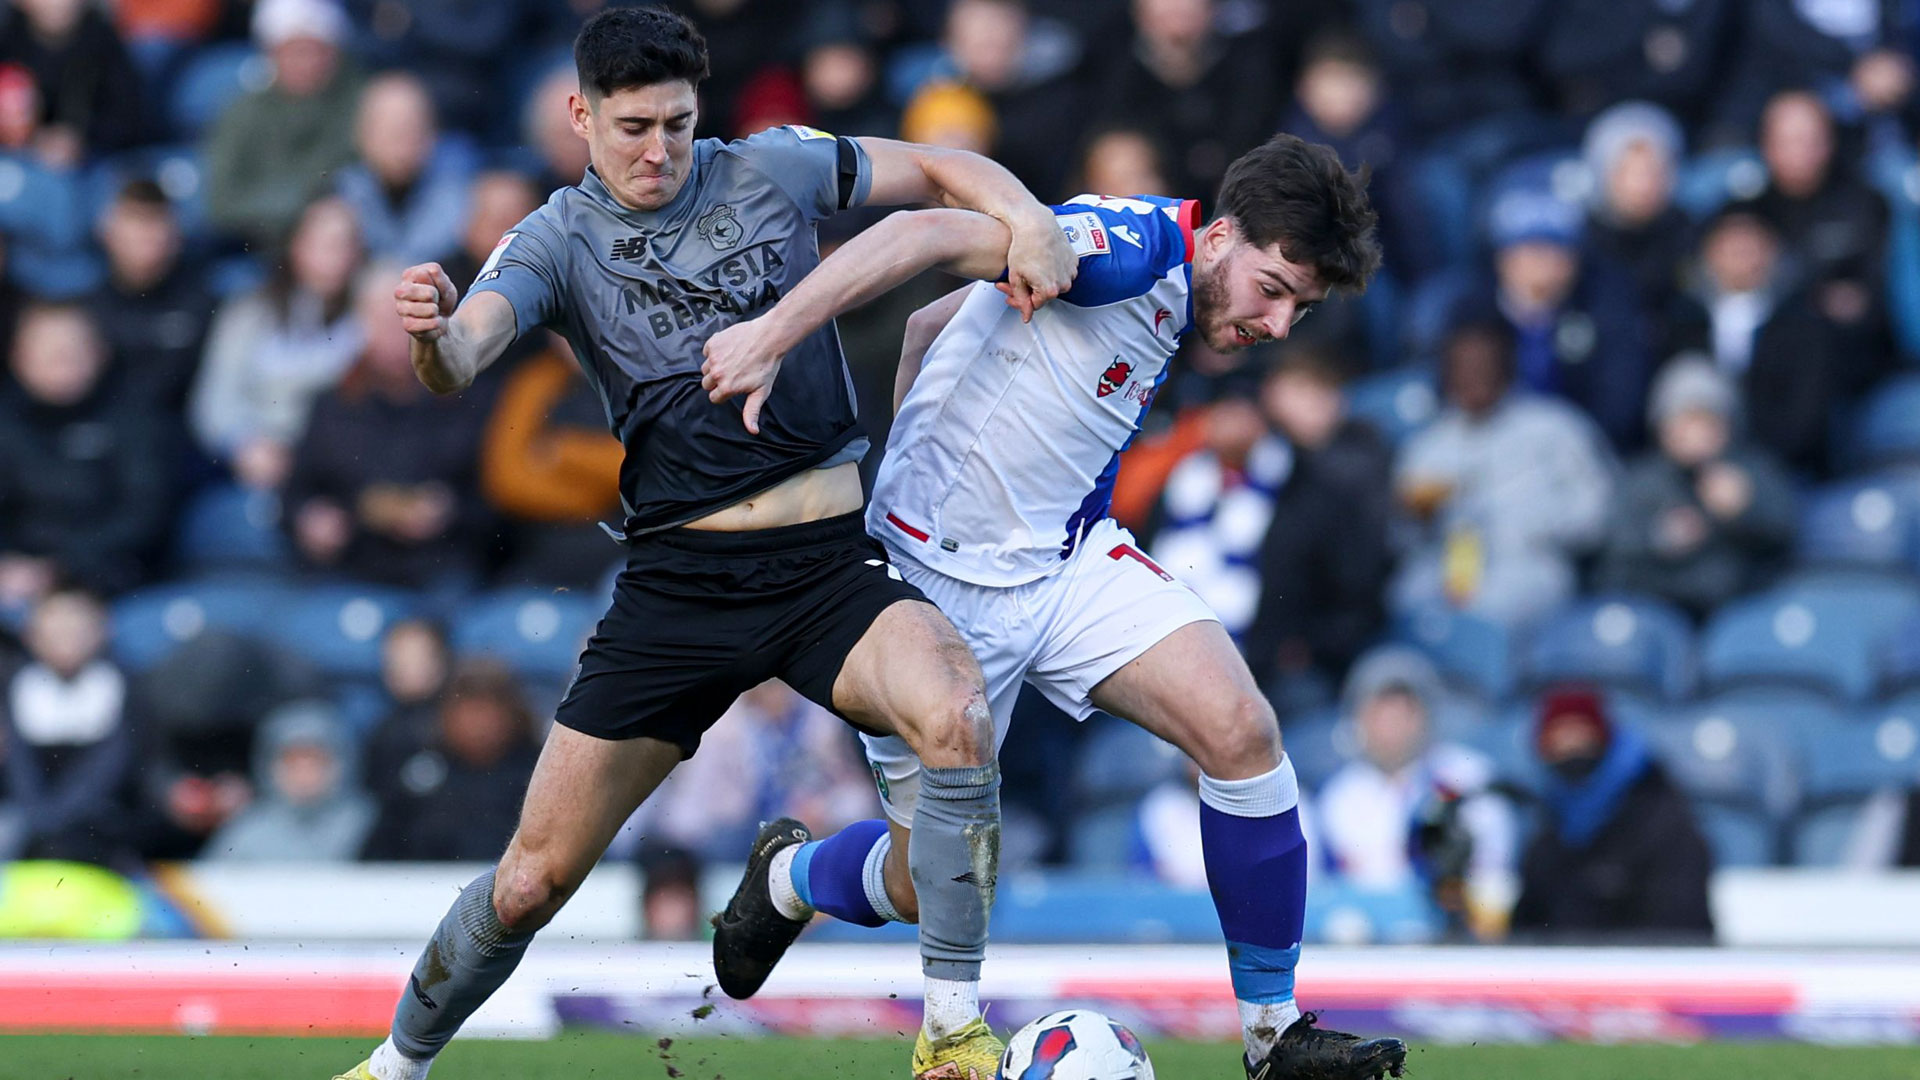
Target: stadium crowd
1584, 546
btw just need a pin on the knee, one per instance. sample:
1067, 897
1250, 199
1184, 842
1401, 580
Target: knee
1242, 741
528, 891
960, 730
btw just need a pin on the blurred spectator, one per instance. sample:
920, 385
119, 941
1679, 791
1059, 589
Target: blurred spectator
90, 101
1458, 63
273, 149
550, 467
774, 753
384, 483
173, 21
69, 742
772, 98
670, 907
86, 475
273, 351
1214, 511
1850, 51
1703, 518
1371, 813
743, 37
1578, 327
840, 73
547, 127
310, 808
1596, 53
1027, 70
455, 46
953, 116
1325, 557
1340, 99
1123, 161
1633, 153
408, 190
1746, 311
459, 797
497, 201
1507, 487
1208, 97
1620, 854
414, 662
1834, 224
201, 706
155, 306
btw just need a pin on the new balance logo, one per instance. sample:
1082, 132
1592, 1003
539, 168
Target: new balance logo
413, 984
1127, 234
628, 248
971, 878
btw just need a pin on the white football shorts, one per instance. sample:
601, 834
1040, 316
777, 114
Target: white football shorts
1063, 633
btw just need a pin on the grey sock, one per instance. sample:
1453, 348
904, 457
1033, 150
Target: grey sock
467, 959
955, 857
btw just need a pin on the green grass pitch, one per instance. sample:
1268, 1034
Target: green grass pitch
633, 1058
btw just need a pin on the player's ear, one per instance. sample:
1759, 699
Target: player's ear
1218, 237
580, 111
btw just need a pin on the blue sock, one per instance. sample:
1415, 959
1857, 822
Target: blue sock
832, 875
1257, 870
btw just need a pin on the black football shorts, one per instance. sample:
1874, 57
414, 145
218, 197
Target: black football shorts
700, 616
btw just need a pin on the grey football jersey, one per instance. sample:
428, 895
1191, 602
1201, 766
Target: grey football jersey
638, 294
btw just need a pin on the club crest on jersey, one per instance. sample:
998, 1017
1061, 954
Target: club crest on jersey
720, 228
1115, 376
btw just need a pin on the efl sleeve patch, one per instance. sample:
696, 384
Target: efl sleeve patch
1086, 235
499, 250
804, 132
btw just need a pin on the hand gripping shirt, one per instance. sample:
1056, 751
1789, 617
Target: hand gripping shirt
637, 294
1005, 451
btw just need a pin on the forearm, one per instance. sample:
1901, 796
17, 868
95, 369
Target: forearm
476, 334
923, 327
886, 255
971, 182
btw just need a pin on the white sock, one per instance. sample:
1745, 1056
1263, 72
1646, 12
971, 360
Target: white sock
951, 1005
786, 898
390, 1064
1262, 1024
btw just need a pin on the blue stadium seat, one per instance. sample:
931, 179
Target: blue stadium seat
1475, 654
1854, 757
1886, 429
229, 527
1869, 524
1822, 636
535, 631
1900, 658
1738, 764
1737, 836
150, 623
338, 628
212, 80
1508, 740
1119, 762
1396, 403
1821, 837
1631, 642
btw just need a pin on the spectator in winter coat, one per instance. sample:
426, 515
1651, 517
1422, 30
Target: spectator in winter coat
1633, 153
86, 476
408, 189
311, 808
384, 484
1705, 517
90, 97
1619, 855
69, 742
1598, 53
1506, 489
1324, 560
155, 307
460, 795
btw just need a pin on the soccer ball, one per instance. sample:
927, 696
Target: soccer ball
1075, 1044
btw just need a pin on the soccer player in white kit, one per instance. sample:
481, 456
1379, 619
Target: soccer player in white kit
993, 500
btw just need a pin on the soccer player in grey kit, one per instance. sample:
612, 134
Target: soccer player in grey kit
747, 558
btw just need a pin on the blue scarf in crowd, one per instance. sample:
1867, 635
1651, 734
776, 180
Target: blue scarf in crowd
1581, 810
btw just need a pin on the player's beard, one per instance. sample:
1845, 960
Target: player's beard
1209, 309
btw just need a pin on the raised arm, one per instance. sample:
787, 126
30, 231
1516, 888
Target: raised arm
1040, 264
923, 326
452, 342
745, 357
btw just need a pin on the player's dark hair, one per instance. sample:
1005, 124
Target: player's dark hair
625, 47
1294, 193
1486, 328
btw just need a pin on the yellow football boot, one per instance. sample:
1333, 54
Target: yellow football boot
972, 1053
362, 1071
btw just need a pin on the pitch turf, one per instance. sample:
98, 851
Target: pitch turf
618, 1058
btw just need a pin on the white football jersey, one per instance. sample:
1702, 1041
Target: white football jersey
1006, 448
